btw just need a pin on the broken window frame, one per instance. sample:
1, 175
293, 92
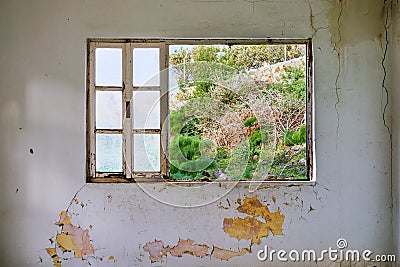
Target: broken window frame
127, 88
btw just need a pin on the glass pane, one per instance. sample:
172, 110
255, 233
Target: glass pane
146, 152
109, 152
146, 67
146, 110
108, 110
108, 66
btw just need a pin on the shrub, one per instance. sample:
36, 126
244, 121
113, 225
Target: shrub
190, 155
291, 138
250, 121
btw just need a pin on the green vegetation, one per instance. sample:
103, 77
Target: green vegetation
291, 138
199, 147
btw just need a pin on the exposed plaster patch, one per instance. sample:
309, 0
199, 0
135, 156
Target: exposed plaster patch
224, 254
247, 228
156, 250
73, 238
187, 247
53, 254
250, 227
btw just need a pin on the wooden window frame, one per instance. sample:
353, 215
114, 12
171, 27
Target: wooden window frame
127, 89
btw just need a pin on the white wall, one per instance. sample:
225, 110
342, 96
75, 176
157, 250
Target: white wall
395, 56
42, 107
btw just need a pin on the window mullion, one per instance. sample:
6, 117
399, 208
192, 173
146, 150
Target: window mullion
127, 106
91, 113
164, 110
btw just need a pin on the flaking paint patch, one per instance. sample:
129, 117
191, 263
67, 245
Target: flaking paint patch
157, 250
251, 227
53, 254
73, 238
248, 228
224, 254
187, 247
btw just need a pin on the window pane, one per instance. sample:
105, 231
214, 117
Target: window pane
146, 152
146, 110
146, 67
108, 152
108, 67
108, 110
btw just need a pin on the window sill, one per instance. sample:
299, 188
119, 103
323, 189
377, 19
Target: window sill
158, 179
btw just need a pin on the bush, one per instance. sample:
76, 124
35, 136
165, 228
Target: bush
190, 156
250, 121
182, 124
291, 138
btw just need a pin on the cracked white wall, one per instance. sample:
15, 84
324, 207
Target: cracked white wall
395, 78
42, 107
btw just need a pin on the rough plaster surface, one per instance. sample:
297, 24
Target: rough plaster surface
42, 148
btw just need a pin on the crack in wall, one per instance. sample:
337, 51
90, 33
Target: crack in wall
336, 48
311, 15
389, 8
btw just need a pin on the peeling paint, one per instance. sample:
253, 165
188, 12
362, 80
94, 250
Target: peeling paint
224, 254
73, 238
187, 247
156, 250
53, 254
247, 228
253, 227
250, 227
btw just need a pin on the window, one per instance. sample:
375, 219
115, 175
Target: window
199, 110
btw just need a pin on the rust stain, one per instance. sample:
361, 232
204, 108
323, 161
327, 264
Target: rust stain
250, 227
73, 238
156, 250
53, 254
187, 247
224, 254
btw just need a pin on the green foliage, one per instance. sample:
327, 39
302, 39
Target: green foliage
291, 90
182, 124
255, 139
250, 121
246, 57
287, 163
190, 155
291, 138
